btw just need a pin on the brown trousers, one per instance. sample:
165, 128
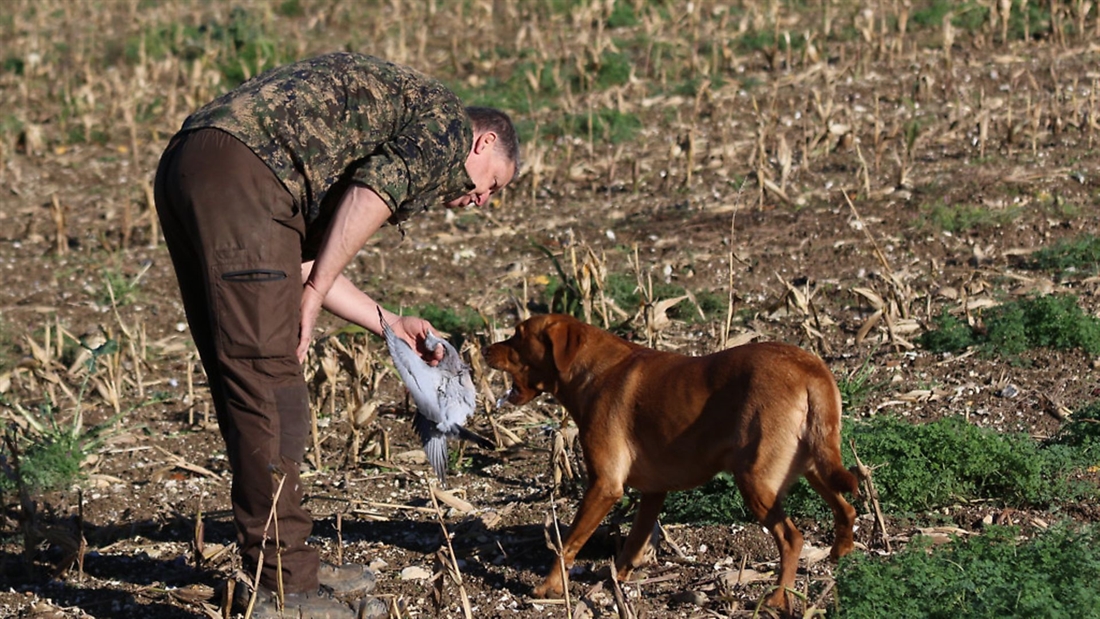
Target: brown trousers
235, 238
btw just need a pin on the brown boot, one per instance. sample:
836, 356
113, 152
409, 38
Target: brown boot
347, 580
319, 605
372, 608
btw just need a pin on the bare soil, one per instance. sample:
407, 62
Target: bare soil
791, 261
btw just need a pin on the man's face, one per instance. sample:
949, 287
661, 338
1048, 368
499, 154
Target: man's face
489, 170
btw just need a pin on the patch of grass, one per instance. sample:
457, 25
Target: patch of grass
1082, 433
530, 86
613, 69
934, 464
622, 288
1048, 321
967, 16
533, 85
857, 386
606, 125
1077, 256
622, 16
242, 43
956, 218
922, 467
993, 575
118, 288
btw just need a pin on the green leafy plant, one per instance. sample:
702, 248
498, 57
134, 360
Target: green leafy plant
1048, 321
993, 575
1082, 433
623, 289
857, 386
949, 334
47, 451
118, 289
922, 467
967, 16
957, 218
606, 125
1080, 255
564, 291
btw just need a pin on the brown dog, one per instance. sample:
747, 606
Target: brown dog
659, 421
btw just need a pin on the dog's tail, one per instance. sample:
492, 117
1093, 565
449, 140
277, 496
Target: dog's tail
824, 435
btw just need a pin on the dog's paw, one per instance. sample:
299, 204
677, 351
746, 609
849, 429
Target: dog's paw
545, 592
551, 588
624, 573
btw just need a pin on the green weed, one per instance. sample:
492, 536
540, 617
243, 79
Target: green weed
118, 289
1082, 433
956, 218
949, 334
967, 16
47, 452
985, 576
857, 386
605, 125
623, 289
242, 44
1077, 256
1049, 321
930, 465
922, 467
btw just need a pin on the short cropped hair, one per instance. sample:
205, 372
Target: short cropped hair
491, 119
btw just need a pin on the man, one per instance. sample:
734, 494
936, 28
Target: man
289, 174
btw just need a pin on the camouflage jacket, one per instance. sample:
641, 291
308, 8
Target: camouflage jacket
328, 121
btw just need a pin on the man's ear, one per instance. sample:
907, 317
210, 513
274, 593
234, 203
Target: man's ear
485, 142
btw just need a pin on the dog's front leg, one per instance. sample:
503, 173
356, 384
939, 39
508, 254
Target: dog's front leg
597, 502
640, 532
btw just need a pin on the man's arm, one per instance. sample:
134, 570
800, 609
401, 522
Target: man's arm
358, 216
349, 303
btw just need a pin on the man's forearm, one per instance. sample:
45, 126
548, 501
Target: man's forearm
359, 215
349, 303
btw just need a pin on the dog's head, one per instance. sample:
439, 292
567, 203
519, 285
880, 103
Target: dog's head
538, 354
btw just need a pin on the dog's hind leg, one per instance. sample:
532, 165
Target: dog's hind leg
764, 502
640, 533
844, 515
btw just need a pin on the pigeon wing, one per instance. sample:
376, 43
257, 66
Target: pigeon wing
423, 381
457, 398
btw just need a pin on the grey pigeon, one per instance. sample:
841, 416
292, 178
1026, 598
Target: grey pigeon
444, 395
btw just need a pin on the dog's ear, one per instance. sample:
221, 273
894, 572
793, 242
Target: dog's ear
564, 339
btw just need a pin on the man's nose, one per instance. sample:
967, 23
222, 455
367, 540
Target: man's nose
481, 198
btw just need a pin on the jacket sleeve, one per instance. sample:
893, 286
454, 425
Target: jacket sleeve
422, 165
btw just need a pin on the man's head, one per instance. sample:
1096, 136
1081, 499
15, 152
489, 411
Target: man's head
494, 158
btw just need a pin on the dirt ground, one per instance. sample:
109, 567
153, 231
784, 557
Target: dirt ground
794, 259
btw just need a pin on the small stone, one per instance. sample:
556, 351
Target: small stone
415, 572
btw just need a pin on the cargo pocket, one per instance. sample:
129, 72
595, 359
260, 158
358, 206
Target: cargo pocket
257, 311
292, 403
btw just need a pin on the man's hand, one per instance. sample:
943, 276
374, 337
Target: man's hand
312, 301
414, 331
